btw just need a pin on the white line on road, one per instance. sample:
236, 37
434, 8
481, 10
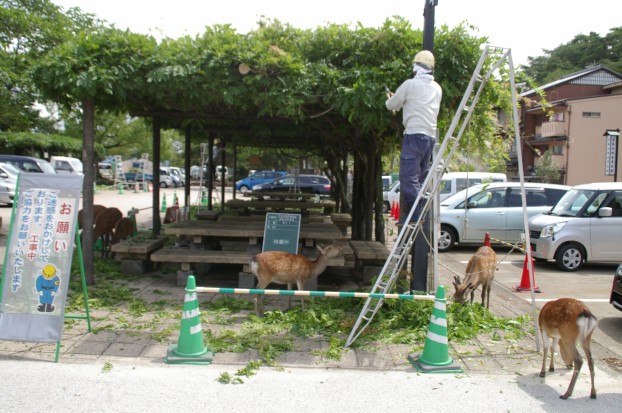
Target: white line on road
586, 300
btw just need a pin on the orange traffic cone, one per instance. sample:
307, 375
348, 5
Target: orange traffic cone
525, 283
397, 211
393, 209
487, 240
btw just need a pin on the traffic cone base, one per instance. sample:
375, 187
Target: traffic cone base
435, 356
525, 283
163, 207
190, 348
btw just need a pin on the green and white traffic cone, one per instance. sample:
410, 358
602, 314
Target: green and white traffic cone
190, 348
120, 188
203, 197
435, 357
163, 207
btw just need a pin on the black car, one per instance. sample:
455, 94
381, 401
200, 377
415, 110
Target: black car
313, 184
616, 289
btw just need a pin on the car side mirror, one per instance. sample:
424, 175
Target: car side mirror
472, 204
605, 212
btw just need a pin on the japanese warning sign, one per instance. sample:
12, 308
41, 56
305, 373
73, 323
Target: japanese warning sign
37, 262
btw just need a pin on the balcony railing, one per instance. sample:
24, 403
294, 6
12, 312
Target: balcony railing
552, 129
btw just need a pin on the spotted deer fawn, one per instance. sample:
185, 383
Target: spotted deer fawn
566, 321
480, 270
285, 268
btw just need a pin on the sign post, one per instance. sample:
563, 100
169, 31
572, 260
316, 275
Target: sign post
611, 153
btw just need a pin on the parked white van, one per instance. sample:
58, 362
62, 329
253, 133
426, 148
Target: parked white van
67, 165
451, 183
584, 226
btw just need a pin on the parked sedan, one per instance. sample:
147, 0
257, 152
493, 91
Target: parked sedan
314, 184
8, 181
257, 178
494, 208
616, 289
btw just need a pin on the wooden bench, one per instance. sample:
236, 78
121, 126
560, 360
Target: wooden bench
135, 253
343, 221
187, 257
370, 257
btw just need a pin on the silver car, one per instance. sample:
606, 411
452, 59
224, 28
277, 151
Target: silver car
8, 181
584, 226
494, 208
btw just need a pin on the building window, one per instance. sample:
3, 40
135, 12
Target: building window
591, 114
558, 150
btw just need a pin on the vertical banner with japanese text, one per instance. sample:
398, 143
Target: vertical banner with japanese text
37, 262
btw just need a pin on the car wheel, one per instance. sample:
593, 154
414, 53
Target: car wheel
244, 189
569, 257
163, 185
447, 239
386, 207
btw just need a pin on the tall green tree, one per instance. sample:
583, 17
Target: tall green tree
28, 30
580, 52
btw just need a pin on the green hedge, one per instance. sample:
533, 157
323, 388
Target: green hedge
36, 144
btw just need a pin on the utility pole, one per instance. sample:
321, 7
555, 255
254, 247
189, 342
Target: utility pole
421, 249
428, 24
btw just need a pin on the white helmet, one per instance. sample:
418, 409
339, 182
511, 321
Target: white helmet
424, 58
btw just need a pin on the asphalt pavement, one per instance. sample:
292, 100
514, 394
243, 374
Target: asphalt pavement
124, 371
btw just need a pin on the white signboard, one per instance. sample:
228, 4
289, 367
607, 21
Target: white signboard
37, 263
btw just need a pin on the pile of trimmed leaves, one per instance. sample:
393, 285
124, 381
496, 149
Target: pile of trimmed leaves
327, 319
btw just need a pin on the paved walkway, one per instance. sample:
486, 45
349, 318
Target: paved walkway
140, 345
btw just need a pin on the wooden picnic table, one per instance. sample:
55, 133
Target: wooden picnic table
283, 196
204, 234
277, 205
253, 231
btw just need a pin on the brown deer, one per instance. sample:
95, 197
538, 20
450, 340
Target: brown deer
480, 270
566, 321
96, 210
104, 227
285, 268
123, 229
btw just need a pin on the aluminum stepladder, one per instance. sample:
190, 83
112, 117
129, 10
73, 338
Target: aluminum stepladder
119, 175
143, 170
201, 201
407, 235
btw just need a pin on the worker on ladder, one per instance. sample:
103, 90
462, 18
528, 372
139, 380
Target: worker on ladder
420, 99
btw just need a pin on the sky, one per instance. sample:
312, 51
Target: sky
524, 26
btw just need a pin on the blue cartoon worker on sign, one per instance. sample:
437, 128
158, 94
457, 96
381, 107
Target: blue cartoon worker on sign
47, 285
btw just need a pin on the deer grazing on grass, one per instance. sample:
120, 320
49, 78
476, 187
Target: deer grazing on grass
480, 270
566, 321
285, 268
123, 229
104, 227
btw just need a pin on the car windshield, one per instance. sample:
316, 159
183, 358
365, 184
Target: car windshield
77, 165
574, 201
47, 168
10, 168
462, 195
